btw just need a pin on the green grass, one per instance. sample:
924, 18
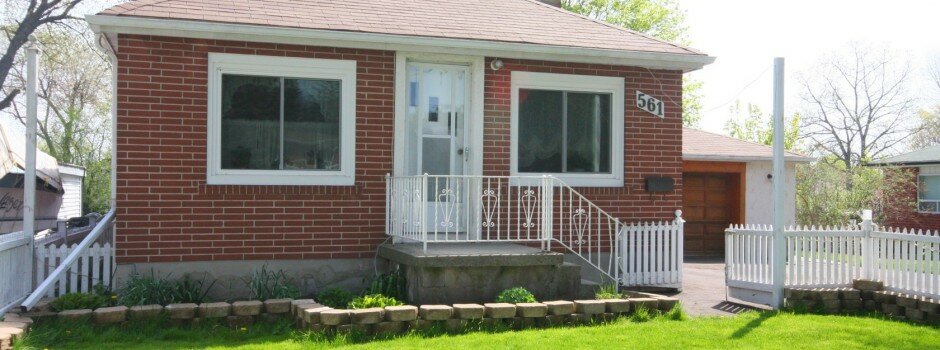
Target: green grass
767, 330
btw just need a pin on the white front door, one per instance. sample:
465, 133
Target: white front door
437, 114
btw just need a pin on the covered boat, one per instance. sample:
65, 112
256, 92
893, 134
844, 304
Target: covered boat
48, 185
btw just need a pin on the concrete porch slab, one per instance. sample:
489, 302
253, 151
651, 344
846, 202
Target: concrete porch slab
469, 255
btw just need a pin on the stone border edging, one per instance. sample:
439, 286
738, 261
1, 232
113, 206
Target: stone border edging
865, 295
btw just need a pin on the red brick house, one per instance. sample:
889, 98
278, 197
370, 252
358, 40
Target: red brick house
924, 168
252, 132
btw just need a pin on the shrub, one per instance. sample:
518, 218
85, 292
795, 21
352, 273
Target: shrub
76, 301
192, 291
390, 284
607, 291
263, 285
515, 295
143, 290
335, 297
373, 300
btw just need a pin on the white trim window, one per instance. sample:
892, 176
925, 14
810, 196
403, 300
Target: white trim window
281, 121
928, 193
568, 126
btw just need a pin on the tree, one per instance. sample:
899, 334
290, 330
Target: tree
73, 123
661, 19
856, 106
36, 14
928, 133
759, 128
823, 199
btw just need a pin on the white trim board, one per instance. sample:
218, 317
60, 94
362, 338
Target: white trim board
347, 39
311, 68
576, 83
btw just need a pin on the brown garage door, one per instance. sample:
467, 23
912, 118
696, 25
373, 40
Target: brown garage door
709, 204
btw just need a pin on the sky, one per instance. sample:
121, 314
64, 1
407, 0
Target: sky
745, 36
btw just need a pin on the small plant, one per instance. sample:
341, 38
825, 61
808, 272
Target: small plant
143, 290
607, 291
641, 314
335, 297
77, 301
676, 313
192, 291
391, 284
373, 300
515, 295
263, 285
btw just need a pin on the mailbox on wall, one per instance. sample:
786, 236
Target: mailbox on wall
660, 184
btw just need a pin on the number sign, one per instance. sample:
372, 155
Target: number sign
650, 104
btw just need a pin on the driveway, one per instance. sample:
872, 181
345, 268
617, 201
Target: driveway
703, 289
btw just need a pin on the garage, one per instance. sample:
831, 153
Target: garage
728, 181
710, 203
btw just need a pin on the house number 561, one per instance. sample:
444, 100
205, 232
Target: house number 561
650, 104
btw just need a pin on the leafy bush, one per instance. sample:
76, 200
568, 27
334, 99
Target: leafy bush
192, 291
263, 285
390, 284
515, 295
139, 289
335, 297
373, 300
77, 301
607, 291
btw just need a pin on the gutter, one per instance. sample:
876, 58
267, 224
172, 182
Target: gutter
718, 158
319, 37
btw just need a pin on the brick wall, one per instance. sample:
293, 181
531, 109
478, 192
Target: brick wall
167, 213
903, 214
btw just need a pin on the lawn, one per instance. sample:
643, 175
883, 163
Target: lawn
768, 330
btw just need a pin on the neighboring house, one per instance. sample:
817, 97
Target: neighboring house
728, 181
250, 132
72, 177
58, 185
920, 209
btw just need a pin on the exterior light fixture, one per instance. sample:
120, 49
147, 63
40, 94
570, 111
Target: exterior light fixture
497, 64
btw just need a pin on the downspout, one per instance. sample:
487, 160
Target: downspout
105, 45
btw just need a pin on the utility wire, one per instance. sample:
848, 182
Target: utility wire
742, 90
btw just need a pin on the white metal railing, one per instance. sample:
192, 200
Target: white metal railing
652, 253
15, 277
83, 266
435, 208
905, 260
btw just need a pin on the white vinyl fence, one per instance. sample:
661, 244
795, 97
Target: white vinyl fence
652, 253
92, 267
905, 260
15, 276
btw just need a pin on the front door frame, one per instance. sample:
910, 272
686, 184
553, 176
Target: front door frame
474, 131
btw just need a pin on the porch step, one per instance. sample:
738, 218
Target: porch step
587, 289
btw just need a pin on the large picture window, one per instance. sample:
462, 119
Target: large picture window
283, 121
568, 126
929, 193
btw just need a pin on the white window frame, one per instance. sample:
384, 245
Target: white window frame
920, 175
285, 67
572, 83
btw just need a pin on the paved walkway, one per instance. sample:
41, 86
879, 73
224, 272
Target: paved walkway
703, 289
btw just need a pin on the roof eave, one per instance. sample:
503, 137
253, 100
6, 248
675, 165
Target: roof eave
730, 158
299, 36
903, 164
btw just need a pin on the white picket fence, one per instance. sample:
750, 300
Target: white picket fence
15, 276
905, 260
652, 253
93, 266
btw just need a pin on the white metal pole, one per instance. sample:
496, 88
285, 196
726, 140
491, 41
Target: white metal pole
779, 182
29, 174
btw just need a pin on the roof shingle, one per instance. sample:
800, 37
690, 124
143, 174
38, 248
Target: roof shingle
517, 21
702, 145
